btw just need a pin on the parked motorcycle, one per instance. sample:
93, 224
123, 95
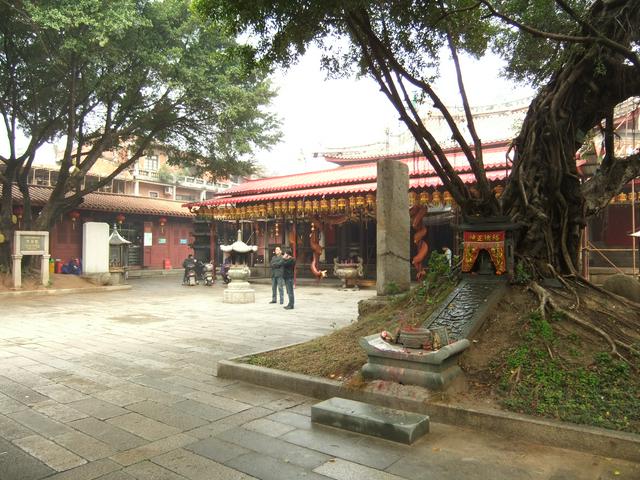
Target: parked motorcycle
190, 276
208, 274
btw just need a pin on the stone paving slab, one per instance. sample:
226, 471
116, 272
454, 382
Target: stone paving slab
196, 467
58, 411
343, 470
84, 445
153, 449
269, 468
216, 449
16, 463
172, 416
12, 430
88, 471
150, 471
39, 423
49, 453
348, 446
98, 409
286, 452
107, 433
142, 426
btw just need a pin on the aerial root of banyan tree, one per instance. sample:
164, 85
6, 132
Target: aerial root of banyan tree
611, 317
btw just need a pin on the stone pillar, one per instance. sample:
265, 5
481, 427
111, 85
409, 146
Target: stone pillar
393, 263
44, 269
17, 270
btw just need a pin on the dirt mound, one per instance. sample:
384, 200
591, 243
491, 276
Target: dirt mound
57, 280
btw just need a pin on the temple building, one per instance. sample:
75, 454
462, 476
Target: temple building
329, 215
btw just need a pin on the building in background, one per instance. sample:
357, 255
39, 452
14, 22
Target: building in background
144, 201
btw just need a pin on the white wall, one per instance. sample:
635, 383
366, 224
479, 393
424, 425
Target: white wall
95, 247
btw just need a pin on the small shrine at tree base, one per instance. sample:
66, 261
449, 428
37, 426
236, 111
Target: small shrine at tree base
488, 245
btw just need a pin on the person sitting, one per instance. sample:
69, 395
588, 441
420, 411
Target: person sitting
72, 267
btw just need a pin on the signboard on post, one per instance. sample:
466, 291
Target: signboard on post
30, 243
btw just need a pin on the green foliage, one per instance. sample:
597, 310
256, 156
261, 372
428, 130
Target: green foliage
134, 72
392, 288
166, 175
533, 58
413, 30
605, 393
522, 275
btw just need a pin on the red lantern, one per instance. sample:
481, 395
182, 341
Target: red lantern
162, 221
120, 219
18, 212
74, 216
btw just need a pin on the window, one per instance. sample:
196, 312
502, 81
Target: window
118, 186
151, 163
186, 198
153, 194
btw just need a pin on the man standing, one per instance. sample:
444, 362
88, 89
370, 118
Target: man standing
289, 265
277, 281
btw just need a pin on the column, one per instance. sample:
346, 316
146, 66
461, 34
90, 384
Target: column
44, 269
393, 263
17, 270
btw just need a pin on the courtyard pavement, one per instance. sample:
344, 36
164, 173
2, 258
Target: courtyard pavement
122, 385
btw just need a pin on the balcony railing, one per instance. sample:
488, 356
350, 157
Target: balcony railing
151, 174
199, 182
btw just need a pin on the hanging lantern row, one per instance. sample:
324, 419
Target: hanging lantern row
435, 199
310, 207
438, 198
299, 208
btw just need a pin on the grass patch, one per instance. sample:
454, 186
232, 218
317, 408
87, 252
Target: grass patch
338, 355
554, 374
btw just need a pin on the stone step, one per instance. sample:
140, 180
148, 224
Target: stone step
359, 417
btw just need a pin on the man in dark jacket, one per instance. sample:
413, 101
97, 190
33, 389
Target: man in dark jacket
277, 281
188, 263
289, 265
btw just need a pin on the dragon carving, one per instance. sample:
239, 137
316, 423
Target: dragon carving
314, 242
417, 213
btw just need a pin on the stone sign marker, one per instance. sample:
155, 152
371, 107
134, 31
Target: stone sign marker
30, 243
393, 228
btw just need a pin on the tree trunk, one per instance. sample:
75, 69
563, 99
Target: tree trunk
6, 212
544, 192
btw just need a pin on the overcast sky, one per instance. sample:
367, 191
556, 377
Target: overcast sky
318, 113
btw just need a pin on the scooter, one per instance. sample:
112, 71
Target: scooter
207, 274
190, 277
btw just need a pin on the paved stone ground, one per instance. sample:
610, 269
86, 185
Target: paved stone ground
122, 385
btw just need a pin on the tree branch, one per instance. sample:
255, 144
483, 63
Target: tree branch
607, 182
599, 38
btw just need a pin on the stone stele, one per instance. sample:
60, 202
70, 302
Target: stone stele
393, 261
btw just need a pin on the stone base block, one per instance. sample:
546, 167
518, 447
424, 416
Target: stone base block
247, 295
387, 423
409, 366
410, 376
